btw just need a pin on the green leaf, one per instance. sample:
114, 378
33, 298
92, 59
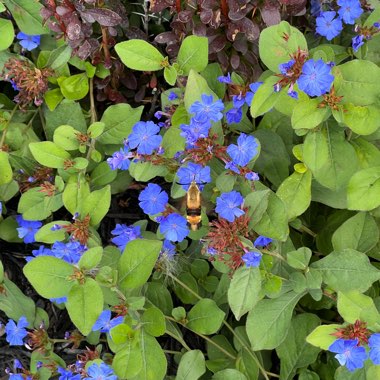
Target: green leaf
15, 304
353, 306
75, 87
35, 205
184, 295
205, 317
193, 54
268, 322
75, 193
27, 16
326, 153
102, 175
265, 97
278, 42
307, 115
322, 336
347, 270
8, 230
59, 56
49, 154
127, 362
192, 366
362, 120
359, 232
53, 98
7, 33
84, 305
49, 276
154, 362
244, 291
139, 55
368, 154
363, 190
229, 374
97, 205
91, 258
293, 352
272, 159
67, 112
211, 74
159, 296
270, 217
119, 120
137, 262
153, 321
46, 235
6, 173
295, 192
65, 136
357, 82
195, 87
145, 171
299, 259
170, 75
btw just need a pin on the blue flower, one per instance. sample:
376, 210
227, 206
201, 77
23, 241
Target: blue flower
212, 251
316, 78
357, 41
168, 249
15, 376
350, 10
153, 199
207, 110
285, 67
59, 300
349, 353
67, 375
227, 79
71, 252
1, 208
104, 322
14, 85
228, 205
250, 94
195, 130
328, 26
374, 345
193, 172
41, 251
172, 96
252, 258
27, 229
27, 41
262, 241
315, 7
125, 234
244, 151
252, 176
120, 159
16, 333
234, 115
174, 227
232, 166
100, 371
144, 137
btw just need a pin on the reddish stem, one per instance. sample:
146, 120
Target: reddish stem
224, 8
178, 5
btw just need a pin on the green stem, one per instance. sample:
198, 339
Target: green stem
206, 338
308, 231
252, 354
2, 141
172, 352
178, 339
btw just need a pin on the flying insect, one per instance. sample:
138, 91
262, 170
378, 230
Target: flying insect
193, 206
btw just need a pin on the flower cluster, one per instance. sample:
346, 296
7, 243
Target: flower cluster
124, 234
31, 82
364, 34
71, 252
330, 23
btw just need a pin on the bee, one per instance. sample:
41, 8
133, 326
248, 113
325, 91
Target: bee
193, 206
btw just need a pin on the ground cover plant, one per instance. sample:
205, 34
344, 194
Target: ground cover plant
189, 189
